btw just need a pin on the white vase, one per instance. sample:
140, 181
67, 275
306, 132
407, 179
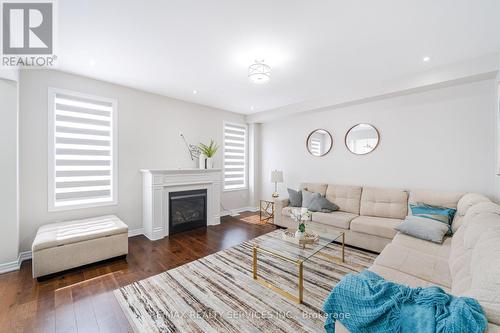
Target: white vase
202, 159
209, 163
299, 234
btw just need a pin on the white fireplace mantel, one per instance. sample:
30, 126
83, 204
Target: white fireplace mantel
157, 184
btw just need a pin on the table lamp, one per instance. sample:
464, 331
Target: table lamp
276, 177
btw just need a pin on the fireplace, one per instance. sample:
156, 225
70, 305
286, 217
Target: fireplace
187, 210
159, 184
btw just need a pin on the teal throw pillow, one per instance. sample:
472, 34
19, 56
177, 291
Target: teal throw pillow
441, 214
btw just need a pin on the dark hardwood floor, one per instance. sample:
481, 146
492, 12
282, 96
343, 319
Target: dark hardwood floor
81, 300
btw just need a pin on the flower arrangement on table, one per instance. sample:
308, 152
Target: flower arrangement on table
300, 215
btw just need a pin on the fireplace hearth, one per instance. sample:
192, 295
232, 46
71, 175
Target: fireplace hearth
187, 210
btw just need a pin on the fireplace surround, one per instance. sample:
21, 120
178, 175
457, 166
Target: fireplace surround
158, 185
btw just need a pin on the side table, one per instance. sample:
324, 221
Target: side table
266, 210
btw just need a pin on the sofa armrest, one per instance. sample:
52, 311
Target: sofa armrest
279, 204
464, 204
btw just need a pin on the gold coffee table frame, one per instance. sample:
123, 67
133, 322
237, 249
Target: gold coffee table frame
300, 266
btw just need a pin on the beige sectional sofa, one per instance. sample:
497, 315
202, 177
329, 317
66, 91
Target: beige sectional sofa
367, 215
466, 264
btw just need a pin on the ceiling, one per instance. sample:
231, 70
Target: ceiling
172, 47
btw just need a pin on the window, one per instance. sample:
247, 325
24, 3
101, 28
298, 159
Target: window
82, 150
235, 156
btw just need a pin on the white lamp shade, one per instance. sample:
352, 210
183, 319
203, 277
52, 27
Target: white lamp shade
276, 176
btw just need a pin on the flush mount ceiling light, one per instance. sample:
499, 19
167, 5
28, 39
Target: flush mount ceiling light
259, 72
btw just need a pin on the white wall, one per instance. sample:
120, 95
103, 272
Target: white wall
9, 236
149, 128
442, 139
254, 161
9, 74
497, 147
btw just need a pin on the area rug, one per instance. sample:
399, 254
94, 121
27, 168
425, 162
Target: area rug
218, 294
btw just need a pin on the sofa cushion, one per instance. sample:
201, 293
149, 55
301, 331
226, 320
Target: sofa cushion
314, 187
384, 202
336, 219
402, 278
485, 271
460, 263
63, 233
413, 262
463, 205
461, 276
435, 198
457, 244
480, 208
378, 226
346, 197
440, 250
478, 225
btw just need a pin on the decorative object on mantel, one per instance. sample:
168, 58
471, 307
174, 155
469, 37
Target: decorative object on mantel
207, 153
309, 238
194, 151
300, 215
319, 142
276, 177
362, 139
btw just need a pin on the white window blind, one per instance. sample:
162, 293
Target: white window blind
235, 156
82, 150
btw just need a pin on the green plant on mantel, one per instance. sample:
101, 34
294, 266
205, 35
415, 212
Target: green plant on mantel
210, 150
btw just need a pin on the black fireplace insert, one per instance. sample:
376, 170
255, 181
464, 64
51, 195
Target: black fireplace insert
187, 210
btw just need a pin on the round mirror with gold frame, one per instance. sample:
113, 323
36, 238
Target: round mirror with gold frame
319, 142
362, 139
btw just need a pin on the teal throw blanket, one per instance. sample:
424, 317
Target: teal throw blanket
366, 302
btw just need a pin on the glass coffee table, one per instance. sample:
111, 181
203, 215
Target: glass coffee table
294, 253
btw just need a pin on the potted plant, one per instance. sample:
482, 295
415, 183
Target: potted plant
207, 153
300, 215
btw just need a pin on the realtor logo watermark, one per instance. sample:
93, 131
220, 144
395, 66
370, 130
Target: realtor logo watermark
28, 34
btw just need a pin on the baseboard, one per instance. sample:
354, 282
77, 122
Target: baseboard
15, 265
136, 232
9, 267
24, 256
237, 211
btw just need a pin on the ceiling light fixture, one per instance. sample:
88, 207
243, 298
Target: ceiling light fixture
426, 59
195, 92
251, 108
259, 72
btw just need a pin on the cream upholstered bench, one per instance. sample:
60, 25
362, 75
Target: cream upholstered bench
64, 245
